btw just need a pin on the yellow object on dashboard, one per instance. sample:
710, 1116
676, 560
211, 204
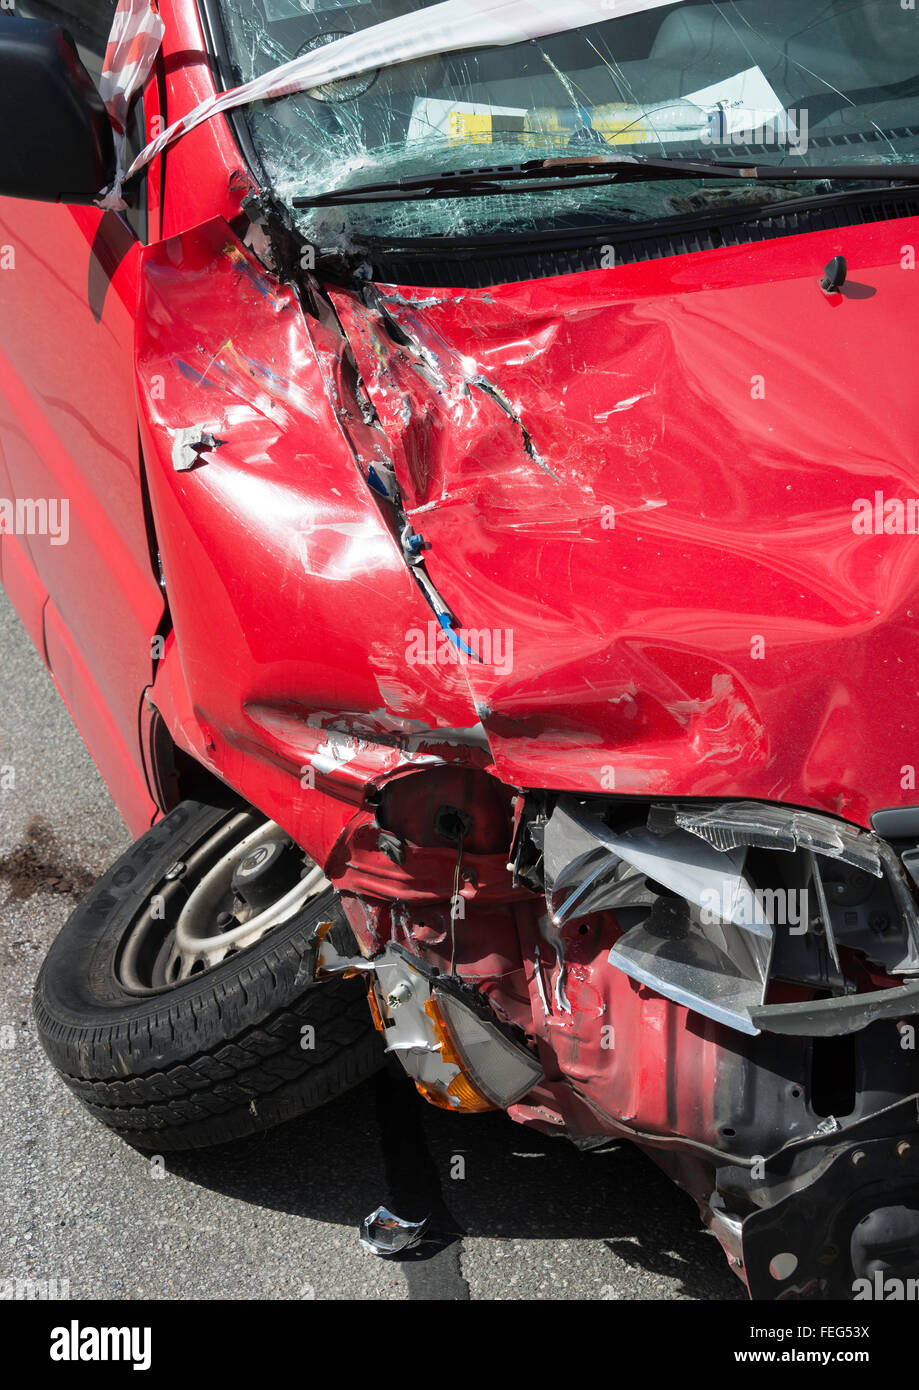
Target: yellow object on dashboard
617, 124
481, 127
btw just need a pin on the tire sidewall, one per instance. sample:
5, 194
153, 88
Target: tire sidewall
78, 994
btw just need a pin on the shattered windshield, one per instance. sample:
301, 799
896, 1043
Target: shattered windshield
784, 81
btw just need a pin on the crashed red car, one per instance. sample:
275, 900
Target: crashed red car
462, 478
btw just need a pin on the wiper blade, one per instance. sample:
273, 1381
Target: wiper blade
545, 175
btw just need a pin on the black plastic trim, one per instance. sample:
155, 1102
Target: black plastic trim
437, 262
897, 823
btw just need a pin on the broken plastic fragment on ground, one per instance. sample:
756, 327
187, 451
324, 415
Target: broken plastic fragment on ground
384, 1233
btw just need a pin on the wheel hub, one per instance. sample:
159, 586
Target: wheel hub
223, 900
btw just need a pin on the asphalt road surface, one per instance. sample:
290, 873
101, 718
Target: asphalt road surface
277, 1216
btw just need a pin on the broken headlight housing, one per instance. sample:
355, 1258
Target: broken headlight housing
717, 901
460, 1056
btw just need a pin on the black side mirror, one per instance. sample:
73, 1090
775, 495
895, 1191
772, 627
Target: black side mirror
57, 138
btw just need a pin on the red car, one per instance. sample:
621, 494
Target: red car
465, 488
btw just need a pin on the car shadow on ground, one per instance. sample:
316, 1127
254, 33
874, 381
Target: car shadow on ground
477, 1176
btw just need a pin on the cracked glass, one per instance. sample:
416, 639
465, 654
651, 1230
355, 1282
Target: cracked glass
786, 81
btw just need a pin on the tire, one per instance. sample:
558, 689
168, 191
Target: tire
218, 1055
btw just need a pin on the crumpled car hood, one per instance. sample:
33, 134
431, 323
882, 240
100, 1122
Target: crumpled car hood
659, 488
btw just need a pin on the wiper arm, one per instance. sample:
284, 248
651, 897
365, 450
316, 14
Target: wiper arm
545, 175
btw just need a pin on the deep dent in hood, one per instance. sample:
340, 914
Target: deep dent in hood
655, 481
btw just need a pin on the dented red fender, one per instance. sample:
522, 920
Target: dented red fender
289, 597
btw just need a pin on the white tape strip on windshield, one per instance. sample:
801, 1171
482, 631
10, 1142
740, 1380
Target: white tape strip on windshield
445, 28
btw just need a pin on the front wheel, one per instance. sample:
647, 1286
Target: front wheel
178, 1001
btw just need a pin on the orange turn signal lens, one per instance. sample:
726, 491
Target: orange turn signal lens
374, 1007
461, 1096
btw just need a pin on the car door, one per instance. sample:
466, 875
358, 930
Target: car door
75, 554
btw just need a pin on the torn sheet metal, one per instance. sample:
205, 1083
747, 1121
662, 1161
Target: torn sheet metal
660, 567
449, 27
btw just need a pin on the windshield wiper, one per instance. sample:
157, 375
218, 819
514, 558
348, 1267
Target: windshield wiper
545, 175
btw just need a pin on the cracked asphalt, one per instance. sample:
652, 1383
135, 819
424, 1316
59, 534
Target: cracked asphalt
518, 1216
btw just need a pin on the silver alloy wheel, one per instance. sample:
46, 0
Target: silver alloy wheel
241, 883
